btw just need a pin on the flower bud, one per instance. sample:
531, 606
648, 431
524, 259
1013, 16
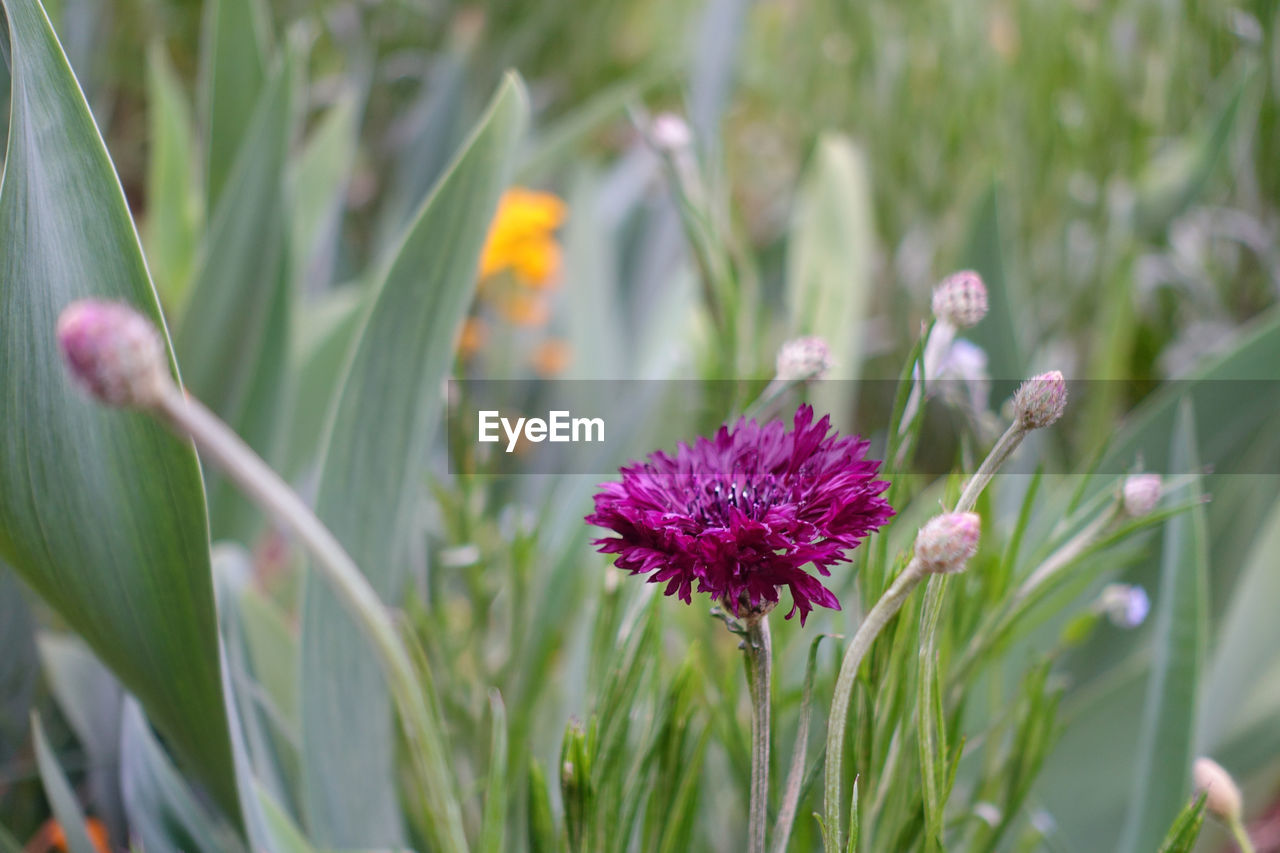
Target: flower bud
1125, 606
670, 132
1222, 797
947, 542
1040, 400
114, 353
1141, 493
803, 358
961, 299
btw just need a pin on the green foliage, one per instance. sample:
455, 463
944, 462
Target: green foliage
314, 188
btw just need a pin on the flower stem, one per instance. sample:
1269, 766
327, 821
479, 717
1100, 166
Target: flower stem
1002, 450
758, 647
219, 444
888, 605
1241, 836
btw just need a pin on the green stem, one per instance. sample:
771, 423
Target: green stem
1002, 450
876, 619
219, 444
759, 653
1241, 836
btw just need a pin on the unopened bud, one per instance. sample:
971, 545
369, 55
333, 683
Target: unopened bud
1041, 400
1125, 606
670, 132
114, 353
803, 358
1222, 797
961, 299
947, 542
1141, 493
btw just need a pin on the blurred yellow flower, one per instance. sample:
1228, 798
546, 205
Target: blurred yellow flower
472, 337
551, 357
522, 239
52, 837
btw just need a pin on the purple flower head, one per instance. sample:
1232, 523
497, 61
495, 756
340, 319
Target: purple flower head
743, 513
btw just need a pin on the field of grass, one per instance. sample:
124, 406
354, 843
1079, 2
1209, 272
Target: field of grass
358, 224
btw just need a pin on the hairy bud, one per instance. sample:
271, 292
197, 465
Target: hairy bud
1141, 493
1222, 796
960, 299
1041, 400
947, 542
803, 358
114, 353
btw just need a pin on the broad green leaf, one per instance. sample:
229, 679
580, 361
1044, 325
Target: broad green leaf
19, 665
175, 202
285, 835
997, 334
829, 264
434, 128
1161, 775
163, 813
326, 331
270, 736
830, 252
373, 466
319, 180
91, 701
1244, 650
233, 339
61, 799
234, 51
101, 511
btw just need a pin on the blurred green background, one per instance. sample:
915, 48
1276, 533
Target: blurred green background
1109, 167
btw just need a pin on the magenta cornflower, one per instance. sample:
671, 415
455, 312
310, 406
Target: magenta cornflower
744, 513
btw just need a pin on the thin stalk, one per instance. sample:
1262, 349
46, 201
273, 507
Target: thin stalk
759, 654
1241, 836
219, 444
1002, 450
876, 619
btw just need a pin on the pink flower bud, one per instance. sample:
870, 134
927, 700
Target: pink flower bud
1041, 400
803, 358
114, 353
961, 299
947, 542
1141, 493
1222, 796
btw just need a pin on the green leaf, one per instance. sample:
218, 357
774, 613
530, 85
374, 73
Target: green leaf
285, 835
1185, 830
830, 256
932, 737
997, 334
163, 813
319, 180
1175, 178
234, 48
493, 832
175, 201
19, 665
101, 511
92, 702
543, 837
233, 339
63, 802
374, 465
1243, 654
1162, 771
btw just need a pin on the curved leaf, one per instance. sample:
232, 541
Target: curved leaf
374, 464
101, 511
61, 798
1162, 772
